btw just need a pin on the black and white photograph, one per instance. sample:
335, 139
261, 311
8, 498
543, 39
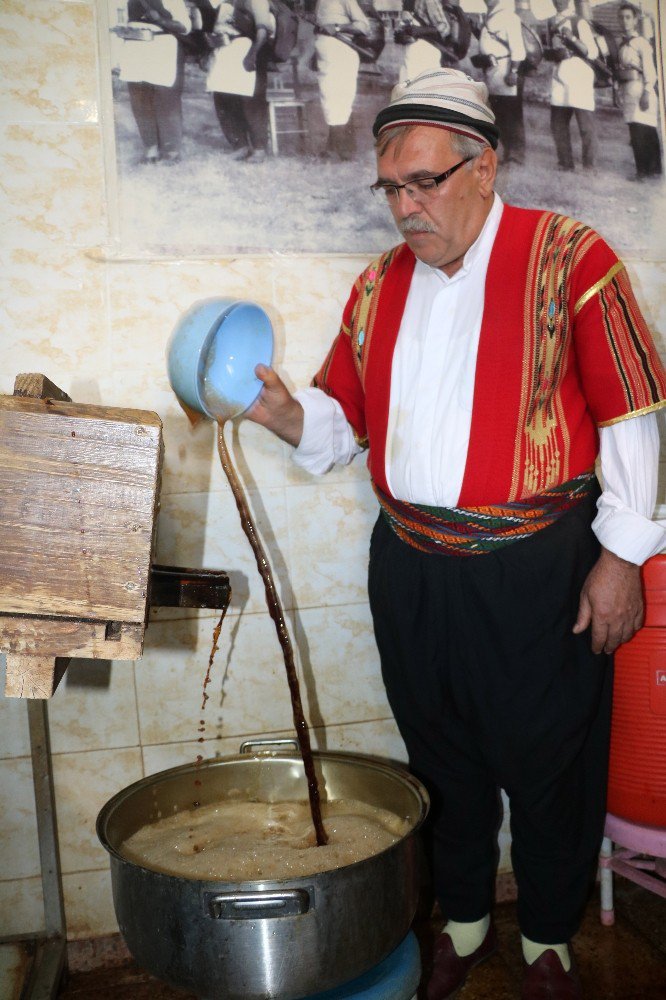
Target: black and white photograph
247, 125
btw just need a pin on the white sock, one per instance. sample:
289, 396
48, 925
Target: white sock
467, 936
532, 950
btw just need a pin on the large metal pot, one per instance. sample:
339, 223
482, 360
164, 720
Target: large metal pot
283, 939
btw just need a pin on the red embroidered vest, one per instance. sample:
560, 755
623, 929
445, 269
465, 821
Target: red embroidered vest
563, 349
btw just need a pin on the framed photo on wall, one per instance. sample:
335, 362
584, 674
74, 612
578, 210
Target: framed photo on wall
246, 126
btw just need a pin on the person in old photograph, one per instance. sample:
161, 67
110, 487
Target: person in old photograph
238, 75
572, 48
501, 43
637, 74
151, 63
338, 24
423, 24
485, 363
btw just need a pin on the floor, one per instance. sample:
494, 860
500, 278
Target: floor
625, 962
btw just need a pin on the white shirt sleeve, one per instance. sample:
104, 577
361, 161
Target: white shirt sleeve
587, 38
327, 438
179, 12
629, 452
514, 33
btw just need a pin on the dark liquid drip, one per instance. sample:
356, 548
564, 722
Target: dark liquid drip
205, 696
213, 651
276, 613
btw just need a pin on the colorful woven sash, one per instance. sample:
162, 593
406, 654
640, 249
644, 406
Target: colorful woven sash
470, 531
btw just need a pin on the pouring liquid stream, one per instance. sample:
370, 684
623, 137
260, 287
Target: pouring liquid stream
276, 613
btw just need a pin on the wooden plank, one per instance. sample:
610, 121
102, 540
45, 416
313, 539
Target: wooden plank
85, 411
39, 386
33, 676
79, 488
59, 637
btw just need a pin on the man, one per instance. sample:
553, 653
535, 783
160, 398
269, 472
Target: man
239, 86
424, 24
152, 62
501, 41
638, 95
337, 23
482, 360
573, 47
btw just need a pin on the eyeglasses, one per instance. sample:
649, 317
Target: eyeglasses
421, 189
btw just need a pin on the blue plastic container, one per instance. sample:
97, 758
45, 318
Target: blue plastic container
396, 978
212, 354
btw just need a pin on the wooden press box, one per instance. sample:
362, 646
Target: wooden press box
79, 493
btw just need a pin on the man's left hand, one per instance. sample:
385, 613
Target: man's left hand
611, 602
250, 62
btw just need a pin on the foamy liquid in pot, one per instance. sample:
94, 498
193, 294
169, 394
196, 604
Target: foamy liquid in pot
237, 841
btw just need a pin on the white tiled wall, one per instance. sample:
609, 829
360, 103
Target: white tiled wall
98, 330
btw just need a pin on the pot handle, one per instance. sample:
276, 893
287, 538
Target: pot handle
256, 905
249, 745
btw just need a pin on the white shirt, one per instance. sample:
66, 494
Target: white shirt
573, 79
154, 60
432, 386
432, 376
502, 38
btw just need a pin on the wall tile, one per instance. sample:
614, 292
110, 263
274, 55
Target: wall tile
83, 783
21, 906
379, 737
53, 317
166, 755
338, 646
248, 690
310, 295
329, 532
89, 904
48, 75
19, 846
203, 529
94, 707
151, 295
52, 179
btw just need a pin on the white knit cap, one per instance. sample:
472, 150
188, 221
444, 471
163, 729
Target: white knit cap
445, 97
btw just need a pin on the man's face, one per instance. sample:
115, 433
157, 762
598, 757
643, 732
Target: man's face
561, 5
627, 19
440, 229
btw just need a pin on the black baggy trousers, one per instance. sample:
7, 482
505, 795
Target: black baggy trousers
491, 689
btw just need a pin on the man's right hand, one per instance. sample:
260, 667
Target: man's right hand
276, 408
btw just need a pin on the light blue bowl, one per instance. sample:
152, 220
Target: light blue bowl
212, 354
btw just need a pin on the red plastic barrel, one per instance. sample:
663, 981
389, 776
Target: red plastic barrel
637, 775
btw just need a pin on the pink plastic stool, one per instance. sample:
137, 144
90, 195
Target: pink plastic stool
639, 855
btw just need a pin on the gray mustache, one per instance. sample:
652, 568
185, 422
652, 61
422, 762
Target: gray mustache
413, 224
